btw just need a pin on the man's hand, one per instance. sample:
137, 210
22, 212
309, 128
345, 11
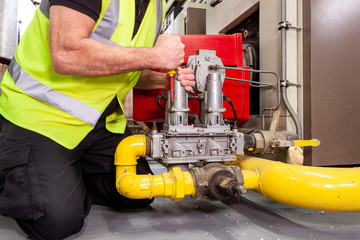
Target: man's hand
150, 80
186, 78
169, 51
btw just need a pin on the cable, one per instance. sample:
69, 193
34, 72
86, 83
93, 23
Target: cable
233, 109
158, 101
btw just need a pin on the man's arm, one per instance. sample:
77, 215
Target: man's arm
150, 80
74, 53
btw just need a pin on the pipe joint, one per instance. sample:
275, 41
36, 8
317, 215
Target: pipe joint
265, 142
178, 184
218, 182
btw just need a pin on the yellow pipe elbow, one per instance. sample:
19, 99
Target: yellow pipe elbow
332, 189
174, 184
128, 151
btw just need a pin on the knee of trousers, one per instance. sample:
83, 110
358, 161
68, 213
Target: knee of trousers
56, 224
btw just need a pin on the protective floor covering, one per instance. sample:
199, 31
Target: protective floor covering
255, 217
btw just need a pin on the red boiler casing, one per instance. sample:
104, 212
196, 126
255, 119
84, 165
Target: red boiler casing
229, 49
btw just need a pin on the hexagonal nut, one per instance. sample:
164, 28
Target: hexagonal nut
179, 181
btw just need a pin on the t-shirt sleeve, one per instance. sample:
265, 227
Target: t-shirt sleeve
91, 8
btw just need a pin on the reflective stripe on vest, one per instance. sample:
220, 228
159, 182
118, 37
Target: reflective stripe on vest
108, 24
159, 12
47, 95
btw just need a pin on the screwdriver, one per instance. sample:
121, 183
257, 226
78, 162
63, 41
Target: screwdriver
171, 74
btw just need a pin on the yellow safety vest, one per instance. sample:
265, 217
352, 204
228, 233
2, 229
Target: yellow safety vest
66, 108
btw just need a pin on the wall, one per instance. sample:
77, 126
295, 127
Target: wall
26, 13
331, 80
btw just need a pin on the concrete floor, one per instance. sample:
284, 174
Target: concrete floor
256, 217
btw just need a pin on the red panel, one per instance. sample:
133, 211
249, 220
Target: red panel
245, 89
222, 44
229, 49
238, 51
145, 107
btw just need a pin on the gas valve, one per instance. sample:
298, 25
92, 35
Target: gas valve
218, 182
210, 140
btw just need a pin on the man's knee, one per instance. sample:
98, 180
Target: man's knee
54, 225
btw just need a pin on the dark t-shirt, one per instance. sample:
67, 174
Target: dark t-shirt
92, 8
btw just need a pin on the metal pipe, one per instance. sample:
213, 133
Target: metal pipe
174, 184
284, 74
278, 89
260, 84
330, 189
292, 113
214, 100
283, 41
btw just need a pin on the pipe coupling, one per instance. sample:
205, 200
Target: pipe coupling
264, 141
218, 182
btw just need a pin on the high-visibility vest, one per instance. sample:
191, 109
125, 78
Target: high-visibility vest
66, 108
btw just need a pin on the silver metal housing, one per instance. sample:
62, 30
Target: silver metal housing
180, 143
200, 64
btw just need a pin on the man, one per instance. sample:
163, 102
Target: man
61, 101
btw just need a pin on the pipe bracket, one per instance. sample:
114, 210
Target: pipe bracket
286, 25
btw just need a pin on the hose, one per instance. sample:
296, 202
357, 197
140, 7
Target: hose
158, 101
233, 109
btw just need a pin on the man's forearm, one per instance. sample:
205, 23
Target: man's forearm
153, 80
93, 58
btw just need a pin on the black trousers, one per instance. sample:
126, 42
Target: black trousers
49, 189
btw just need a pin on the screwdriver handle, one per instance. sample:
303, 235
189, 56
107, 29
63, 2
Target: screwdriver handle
171, 74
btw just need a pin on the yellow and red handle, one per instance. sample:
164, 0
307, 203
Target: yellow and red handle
171, 74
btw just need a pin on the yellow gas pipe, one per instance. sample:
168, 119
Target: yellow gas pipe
174, 184
332, 189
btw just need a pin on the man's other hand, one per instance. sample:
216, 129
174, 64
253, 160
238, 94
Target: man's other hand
186, 78
169, 51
